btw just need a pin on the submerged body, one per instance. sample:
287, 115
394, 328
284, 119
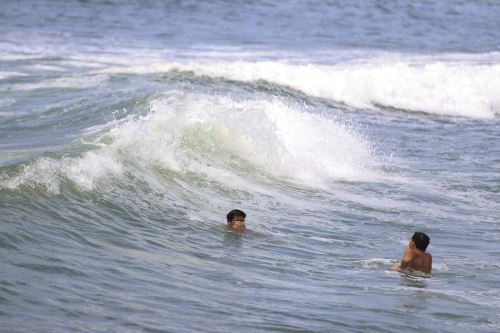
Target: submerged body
415, 258
236, 220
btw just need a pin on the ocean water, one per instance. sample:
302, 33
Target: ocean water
128, 130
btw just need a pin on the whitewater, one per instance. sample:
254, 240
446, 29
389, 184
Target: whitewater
128, 131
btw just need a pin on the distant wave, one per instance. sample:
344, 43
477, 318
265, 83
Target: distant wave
447, 86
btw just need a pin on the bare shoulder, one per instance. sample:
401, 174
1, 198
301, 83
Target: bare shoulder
407, 255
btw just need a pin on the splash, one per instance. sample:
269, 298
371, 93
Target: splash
218, 137
85, 172
276, 138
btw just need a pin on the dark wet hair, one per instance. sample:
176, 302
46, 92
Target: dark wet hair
421, 240
233, 213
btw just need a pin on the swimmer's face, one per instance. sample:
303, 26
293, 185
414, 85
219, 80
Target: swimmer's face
238, 223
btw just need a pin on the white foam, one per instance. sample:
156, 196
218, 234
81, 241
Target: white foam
220, 138
452, 87
437, 88
440, 267
377, 262
92, 167
269, 134
43, 172
85, 171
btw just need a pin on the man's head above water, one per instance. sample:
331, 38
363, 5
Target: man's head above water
236, 220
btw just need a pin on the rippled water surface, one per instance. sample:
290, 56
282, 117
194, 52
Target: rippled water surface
128, 130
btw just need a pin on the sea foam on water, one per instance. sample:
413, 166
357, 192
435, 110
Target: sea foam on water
446, 86
217, 136
277, 138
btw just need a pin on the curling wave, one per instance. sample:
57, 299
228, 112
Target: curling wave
217, 137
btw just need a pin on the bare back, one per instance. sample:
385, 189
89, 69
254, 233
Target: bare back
417, 260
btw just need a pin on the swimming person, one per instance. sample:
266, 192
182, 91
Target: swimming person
236, 220
415, 258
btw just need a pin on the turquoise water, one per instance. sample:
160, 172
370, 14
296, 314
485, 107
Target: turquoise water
129, 129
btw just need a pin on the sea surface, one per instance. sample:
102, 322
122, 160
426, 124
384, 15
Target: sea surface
129, 129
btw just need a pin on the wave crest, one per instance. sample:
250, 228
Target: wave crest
454, 86
216, 137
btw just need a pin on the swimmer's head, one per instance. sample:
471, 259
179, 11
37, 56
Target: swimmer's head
236, 220
420, 240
